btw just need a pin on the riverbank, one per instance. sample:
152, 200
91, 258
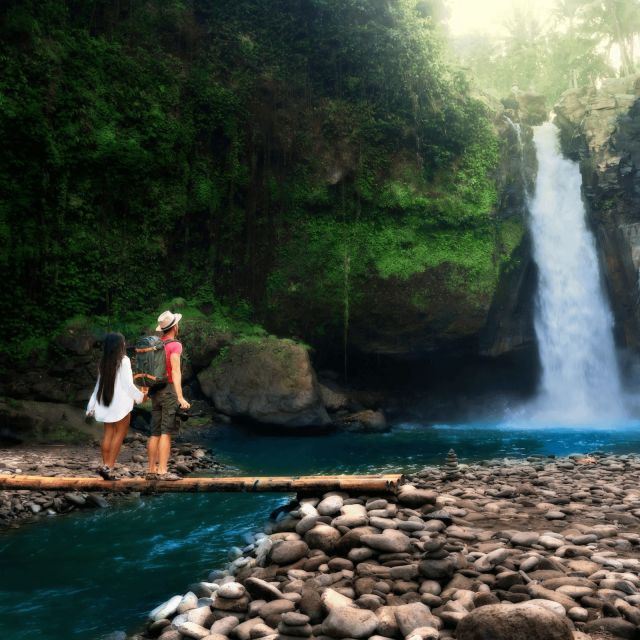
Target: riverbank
18, 507
545, 548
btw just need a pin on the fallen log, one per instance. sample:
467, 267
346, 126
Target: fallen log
283, 484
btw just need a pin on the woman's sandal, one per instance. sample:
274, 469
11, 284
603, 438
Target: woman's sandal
107, 474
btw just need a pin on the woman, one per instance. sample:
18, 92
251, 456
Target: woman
112, 400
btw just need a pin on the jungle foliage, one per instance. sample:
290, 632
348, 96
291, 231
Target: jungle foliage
572, 48
276, 155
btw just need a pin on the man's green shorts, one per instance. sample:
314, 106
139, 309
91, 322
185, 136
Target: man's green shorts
164, 407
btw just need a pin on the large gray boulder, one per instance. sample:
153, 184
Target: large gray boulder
507, 622
270, 381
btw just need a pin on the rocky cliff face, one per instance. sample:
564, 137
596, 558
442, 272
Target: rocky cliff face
601, 129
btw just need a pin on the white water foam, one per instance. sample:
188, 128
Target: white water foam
580, 380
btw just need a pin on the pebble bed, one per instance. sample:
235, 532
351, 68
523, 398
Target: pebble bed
536, 549
17, 507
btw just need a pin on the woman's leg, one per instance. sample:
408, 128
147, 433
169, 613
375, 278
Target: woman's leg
120, 431
109, 431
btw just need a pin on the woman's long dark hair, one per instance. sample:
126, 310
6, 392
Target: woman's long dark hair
112, 353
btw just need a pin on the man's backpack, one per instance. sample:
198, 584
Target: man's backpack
150, 363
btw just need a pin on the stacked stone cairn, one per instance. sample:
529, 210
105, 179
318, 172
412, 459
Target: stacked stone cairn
451, 469
512, 550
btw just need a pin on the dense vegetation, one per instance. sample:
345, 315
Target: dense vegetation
270, 156
585, 40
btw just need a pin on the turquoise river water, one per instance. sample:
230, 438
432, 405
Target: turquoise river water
95, 572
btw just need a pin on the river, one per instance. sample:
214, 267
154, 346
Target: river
91, 573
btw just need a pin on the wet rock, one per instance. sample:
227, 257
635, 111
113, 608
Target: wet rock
262, 590
504, 622
289, 551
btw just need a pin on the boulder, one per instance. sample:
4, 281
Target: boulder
270, 381
506, 622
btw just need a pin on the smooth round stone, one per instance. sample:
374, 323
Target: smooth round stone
330, 506
549, 542
524, 538
550, 605
555, 515
508, 622
349, 622
166, 609
578, 614
189, 601
231, 590
288, 552
574, 591
294, 619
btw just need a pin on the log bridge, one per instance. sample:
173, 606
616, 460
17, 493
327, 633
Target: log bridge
374, 484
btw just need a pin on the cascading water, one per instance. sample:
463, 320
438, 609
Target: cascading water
580, 378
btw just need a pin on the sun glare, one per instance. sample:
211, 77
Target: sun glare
472, 16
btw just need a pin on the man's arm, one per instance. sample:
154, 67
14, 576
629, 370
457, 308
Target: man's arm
176, 374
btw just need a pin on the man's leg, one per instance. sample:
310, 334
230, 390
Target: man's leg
152, 451
164, 451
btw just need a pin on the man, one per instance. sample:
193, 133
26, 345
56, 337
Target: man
166, 400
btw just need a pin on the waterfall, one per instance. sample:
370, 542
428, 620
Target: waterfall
580, 378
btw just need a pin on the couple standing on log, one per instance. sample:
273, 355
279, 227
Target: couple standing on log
115, 393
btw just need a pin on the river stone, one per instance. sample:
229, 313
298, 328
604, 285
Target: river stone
524, 538
237, 605
424, 633
412, 497
330, 506
243, 630
311, 604
192, 630
322, 537
551, 605
436, 569
616, 627
349, 622
271, 612
262, 590
225, 626
414, 615
332, 599
350, 520
390, 541
231, 590
306, 524
288, 551
538, 591
294, 619
188, 602
507, 622
201, 616
166, 609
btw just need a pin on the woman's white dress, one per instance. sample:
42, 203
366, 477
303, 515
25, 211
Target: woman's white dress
125, 393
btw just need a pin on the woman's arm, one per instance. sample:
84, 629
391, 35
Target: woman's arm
127, 380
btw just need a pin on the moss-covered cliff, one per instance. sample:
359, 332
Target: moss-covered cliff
316, 163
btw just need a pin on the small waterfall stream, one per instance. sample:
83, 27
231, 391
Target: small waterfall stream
580, 378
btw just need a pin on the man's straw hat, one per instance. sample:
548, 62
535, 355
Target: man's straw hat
166, 320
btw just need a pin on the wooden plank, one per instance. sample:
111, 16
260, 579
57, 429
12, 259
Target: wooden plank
387, 483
